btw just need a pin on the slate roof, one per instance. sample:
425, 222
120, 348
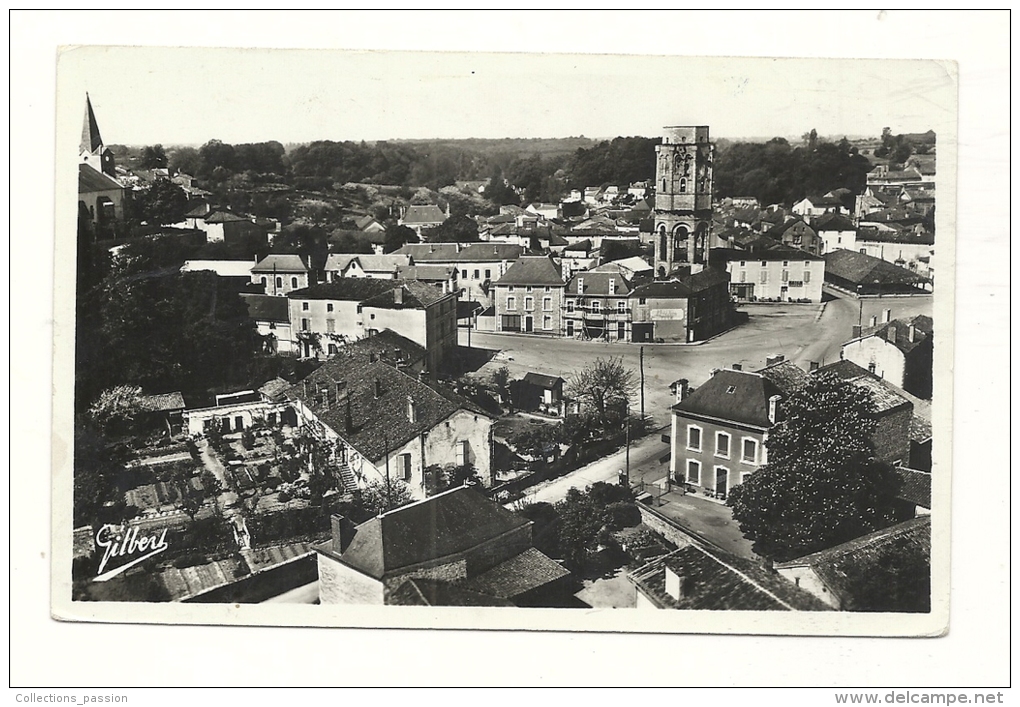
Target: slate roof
905, 235
834, 222
883, 394
836, 564
445, 252
920, 429
417, 295
369, 263
542, 381
423, 215
275, 389
518, 575
223, 216
682, 287
378, 424
786, 375
92, 180
922, 330
199, 210
440, 526
733, 396
859, 268
489, 252
433, 273
717, 581
584, 246
916, 486
91, 140
532, 270
161, 402
772, 254
633, 265
282, 262
267, 308
597, 284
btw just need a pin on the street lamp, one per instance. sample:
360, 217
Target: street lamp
860, 301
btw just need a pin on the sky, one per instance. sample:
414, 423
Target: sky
145, 95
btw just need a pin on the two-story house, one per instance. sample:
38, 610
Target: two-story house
280, 273
421, 217
778, 275
835, 231
684, 308
380, 267
899, 351
529, 297
596, 306
478, 265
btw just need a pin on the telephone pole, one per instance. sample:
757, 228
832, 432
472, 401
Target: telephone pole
641, 367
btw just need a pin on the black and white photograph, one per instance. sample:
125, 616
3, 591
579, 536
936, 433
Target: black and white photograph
548, 341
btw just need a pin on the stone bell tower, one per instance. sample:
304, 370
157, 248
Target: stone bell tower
683, 199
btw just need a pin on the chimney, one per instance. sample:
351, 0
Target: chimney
773, 408
377, 388
339, 387
910, 333
813, 366
891, 334
412, 412
774, 359
886, 316
398, 295
677, 585
856, 332
737, 367
680, 389
304, 387
343, 532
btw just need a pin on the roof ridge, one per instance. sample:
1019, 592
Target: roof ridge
744, 577
419, 502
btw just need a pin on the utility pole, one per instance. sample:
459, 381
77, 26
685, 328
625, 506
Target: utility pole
389, 493
626, 472
641, 366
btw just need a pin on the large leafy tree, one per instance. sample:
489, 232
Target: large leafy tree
456, 229
604, 389
822, 485
586, 519
154, 156
162, 203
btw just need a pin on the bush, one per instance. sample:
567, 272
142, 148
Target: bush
622, 514
285, 496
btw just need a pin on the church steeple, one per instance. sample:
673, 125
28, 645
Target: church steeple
92, 151
91, 140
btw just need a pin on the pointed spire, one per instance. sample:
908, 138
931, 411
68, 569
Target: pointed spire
91, 140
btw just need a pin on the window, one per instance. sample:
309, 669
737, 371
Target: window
807, 263
807, 276
764, 263
693, 472
547, 322
621, 306
304, 306
694, 438
463, 274
488, 274
529, 304
570, 327
293, 282
749, 451
596, 306
744, 475
786, 276
786, 263
511, 303
642, 300
510, 288
764, 276
743, 263
332, 349
304, 325
462, 453
263, 280
511, 322
372, 315
722, 445
330, 326
547, 304
529, 288
570, 305
743, 276
404, 467
548, 289
476, 274
329, 307
279, 282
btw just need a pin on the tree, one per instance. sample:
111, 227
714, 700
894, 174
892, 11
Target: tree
456, 229
397, 237
154, 157
501, 381
381, 496
162, 203
822, 485
896, 579
586, 519
604, 389
116, 409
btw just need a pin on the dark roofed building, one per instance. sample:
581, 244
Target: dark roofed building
699, 577
888, 570
849, 270
455, 548
541, 393
280, 273
900, 351
529, 297
101, 196
683, 308
420, 217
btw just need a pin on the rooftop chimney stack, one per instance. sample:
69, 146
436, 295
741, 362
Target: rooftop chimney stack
377, 388
398, 295
813, 366
910, 333
412, 411
886, 316
774, 359
773, 409
681, 389
343, 531
737, 367
891, 334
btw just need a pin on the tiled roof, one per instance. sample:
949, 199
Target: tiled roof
489, 252
275, 389
223, 268
433, 273
584, 246
835, 565
922, 330
633, 265
432, 592
364, 222
516, 576
349, 289
863, 269
597, 284
421, 215
786, 375
905, 236
915, 486
734, 396
223, 216
161, 402
445, 252
440, 526
920, 429
281, 262
267, 308
683, 287
92, 180
712, 580
378, 424
199, 210
772, 254
416, 295
337, 262
883, 394
532, 270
